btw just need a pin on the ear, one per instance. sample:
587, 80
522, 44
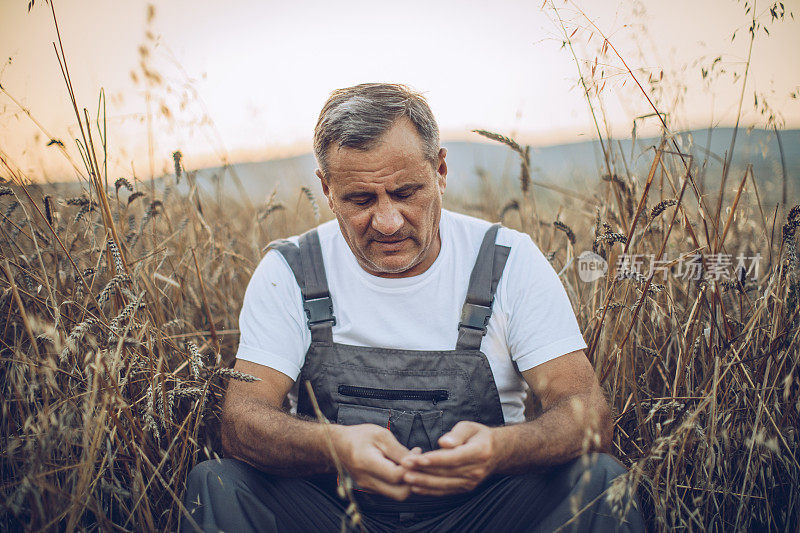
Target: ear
441, 170
325, 189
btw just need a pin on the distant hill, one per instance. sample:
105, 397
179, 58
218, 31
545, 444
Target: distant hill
566, 165
575, 166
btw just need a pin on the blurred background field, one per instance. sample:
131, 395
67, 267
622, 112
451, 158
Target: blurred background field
121, 289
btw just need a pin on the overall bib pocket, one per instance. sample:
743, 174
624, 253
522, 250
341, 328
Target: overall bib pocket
351, 415
411, 426
435, 395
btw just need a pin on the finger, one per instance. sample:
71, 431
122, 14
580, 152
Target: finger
455, 457
376, 465
392, 448
387, 471
457, 436
407, 461
427, 481
396, 492
464, 471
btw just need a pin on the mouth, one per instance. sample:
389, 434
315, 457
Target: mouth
389, 245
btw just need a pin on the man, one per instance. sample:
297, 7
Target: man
417, 329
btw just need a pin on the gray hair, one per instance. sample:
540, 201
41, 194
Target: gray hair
357, 117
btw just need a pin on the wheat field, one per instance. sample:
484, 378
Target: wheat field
119, 315
119, 311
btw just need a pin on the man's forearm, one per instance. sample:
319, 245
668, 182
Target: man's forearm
275, 441
570, 427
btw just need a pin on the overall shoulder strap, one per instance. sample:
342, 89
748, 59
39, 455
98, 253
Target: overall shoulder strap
480, 294
291, 253
309, 271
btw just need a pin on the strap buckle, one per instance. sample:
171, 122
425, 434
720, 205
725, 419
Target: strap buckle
474, 316
319, 311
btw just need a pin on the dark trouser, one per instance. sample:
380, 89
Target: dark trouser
228, 495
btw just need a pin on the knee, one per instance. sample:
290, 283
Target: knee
218, 472
211, 467
221, 495
607, 465
597, 468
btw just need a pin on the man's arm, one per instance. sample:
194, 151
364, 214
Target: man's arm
575, 418
250, 414
255, 429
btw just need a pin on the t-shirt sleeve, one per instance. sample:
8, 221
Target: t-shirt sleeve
272, 331
541, 322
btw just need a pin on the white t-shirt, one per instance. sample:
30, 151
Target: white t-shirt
532, 320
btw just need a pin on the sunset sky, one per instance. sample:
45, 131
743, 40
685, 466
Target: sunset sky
248, 78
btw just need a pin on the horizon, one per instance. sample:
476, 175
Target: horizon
790, 139
302, 150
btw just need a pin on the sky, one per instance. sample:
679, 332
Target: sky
245, 80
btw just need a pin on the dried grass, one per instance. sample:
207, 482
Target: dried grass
115, 352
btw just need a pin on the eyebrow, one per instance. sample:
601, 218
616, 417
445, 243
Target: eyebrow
407, 187
364, 194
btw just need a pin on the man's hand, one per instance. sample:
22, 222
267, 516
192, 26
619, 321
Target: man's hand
575, 419
467, 455
372, 456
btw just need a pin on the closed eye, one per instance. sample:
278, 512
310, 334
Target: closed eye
406, 192
358, 199
363, 199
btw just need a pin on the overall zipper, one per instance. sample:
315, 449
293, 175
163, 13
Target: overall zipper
434, 395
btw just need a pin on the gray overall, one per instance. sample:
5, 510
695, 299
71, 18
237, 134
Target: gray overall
418, 395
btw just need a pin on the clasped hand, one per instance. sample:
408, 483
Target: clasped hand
377, 462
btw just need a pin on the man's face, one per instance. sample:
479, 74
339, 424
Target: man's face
388, 201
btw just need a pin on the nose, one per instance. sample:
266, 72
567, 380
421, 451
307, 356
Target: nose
387, 218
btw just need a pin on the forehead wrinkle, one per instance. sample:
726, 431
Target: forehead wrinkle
368, 160
390, 181
387, 175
